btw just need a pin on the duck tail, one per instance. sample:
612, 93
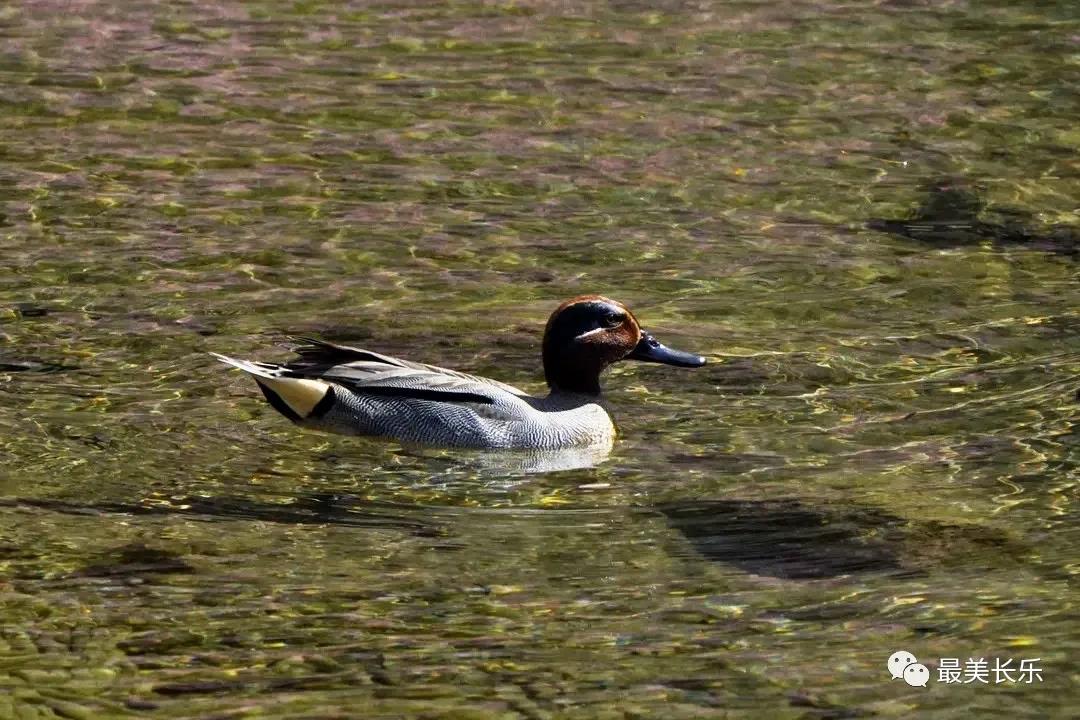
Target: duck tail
296, 398
263, 370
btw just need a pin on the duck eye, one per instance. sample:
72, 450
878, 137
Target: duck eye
613, 320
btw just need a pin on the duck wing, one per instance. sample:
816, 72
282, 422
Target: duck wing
370, 373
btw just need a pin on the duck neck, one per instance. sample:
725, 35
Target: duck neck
565, 377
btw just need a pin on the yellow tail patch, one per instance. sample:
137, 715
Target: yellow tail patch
300, 394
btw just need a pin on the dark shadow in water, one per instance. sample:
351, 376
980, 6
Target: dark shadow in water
39, 366
786, 539
316, 509
136, 559
954, 213
783, 538
789, 539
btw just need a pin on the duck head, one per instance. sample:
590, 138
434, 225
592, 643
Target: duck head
586, 334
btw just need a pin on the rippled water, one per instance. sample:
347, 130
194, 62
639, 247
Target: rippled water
865, 213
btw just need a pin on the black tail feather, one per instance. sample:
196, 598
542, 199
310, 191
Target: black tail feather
277, 403
319, 352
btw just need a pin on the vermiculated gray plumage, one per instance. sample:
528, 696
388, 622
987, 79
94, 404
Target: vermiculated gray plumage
382, 396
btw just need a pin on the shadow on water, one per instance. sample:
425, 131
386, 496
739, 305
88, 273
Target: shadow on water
789, 539
783, 538
139, 560
953, 213
136, 559
786, 539
315, 509
30, 365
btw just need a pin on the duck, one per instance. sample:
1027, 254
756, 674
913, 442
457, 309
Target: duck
353, 391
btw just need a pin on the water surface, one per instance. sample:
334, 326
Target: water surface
882, 454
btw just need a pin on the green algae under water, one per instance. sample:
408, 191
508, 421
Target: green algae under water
881, 456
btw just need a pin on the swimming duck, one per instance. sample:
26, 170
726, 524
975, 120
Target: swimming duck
352, 391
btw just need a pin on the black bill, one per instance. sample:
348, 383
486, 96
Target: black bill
649, 349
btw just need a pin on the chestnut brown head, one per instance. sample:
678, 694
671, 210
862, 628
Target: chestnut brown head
587, 333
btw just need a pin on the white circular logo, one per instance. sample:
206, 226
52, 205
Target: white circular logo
898, 661
916, 675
